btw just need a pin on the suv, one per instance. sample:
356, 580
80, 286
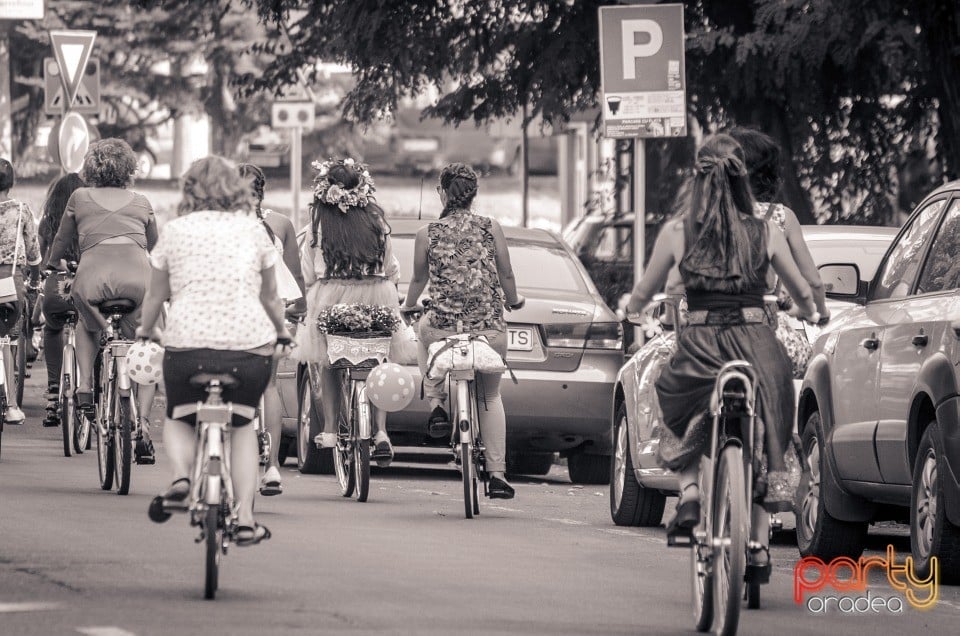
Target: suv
879, 408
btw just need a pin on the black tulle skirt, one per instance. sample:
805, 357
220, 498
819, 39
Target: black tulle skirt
684, 390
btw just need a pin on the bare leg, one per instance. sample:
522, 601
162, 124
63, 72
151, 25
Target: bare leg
760, 525
689, 482
180, 442
8, 376
88, 345
330, 387
145, 395
271, 417
244, 466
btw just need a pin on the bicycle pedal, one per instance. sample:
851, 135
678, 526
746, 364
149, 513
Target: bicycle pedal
679, 540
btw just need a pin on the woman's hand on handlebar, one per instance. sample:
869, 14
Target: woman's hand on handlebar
521, 301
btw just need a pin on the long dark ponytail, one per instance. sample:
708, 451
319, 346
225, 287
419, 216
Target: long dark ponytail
352, 241
721, 207
58, 194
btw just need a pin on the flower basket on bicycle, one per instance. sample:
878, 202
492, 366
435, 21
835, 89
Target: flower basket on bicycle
357, 334
357, 349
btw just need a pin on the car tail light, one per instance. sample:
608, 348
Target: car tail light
597, 335
570, 335
605, 335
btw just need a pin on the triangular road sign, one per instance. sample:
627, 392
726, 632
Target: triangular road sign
72, 50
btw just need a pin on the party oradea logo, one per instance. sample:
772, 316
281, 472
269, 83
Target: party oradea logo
841, 586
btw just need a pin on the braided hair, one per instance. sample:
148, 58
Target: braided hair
259, 182
459, 182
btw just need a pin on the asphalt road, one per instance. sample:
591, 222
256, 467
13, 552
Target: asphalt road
76, 560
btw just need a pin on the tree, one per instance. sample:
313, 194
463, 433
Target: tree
844, 85
135, 40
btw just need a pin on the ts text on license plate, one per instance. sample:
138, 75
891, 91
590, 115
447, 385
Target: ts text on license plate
519, 339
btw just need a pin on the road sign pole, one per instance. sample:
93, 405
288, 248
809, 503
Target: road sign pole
639, 217
296, 137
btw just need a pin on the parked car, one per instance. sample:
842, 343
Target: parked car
565, 349
639, 486
879, 410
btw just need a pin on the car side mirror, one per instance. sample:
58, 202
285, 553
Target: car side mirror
841, 281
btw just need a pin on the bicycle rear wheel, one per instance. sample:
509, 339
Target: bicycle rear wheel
213, 533
729, 529
469, 478
105, 459
361, 449
122, 436
346, 439
20, 362
67, 414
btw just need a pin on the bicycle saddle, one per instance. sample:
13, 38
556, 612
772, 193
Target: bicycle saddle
117, 306
202, 380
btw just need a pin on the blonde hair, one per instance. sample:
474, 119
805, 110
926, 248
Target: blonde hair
213, 183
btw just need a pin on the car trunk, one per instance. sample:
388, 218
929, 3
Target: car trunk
557, 323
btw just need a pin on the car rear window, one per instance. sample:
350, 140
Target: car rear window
535, 265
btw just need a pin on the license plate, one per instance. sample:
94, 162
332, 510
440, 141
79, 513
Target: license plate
519, 339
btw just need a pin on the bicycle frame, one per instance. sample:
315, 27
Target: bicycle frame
734, 371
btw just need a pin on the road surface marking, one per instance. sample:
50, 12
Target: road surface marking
9, 608
104, 631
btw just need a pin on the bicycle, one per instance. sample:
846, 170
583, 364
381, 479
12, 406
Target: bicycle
466, 444
720, 542
211, 502
351, 457
117, 420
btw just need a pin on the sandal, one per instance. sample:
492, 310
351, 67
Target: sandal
178, 491
245, 536
382, 451
325, 440
439, 423
687, 517
144, 452
52, 417
758, 567
499, 489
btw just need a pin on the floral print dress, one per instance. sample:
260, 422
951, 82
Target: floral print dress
464, 282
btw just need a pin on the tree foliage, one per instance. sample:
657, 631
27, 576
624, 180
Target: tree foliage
850, 88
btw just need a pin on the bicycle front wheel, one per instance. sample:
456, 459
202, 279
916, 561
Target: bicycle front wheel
729, 529
122, 436
346, 439
213, 534
701, 573
20, 363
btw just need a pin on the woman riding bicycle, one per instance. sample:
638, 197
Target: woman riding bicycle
114, 228
464, 258
724, 253
56, 300
284, 238
18, 235
215, 264
349, 260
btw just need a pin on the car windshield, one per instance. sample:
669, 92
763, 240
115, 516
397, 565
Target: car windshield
866, 253
536, 265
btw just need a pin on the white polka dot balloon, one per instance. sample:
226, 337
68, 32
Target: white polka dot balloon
145, 362
390, 387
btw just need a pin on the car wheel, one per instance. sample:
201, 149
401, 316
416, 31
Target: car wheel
145, 163
589, 469
310, 459
818, 533
630, 503
931, 533
529, 463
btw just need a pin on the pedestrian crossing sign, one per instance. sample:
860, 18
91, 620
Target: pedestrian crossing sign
87, 100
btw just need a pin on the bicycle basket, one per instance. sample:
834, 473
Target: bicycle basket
462, 352
362, 349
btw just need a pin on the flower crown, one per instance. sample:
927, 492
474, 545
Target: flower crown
335, 193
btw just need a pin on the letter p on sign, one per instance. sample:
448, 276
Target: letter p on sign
631, 50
